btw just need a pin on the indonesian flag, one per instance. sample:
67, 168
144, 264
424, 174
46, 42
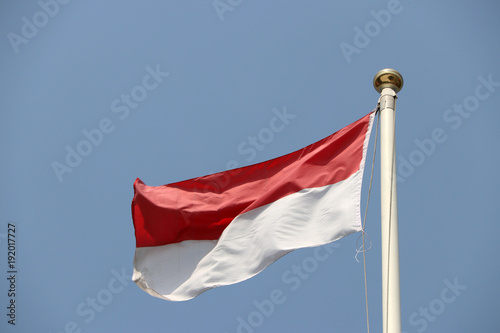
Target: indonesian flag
224, 228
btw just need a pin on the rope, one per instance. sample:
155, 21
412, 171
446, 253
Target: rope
364, 224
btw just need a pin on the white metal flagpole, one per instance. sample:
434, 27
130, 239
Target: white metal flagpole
388, 82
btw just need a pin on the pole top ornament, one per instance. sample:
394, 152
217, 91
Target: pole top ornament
388, 78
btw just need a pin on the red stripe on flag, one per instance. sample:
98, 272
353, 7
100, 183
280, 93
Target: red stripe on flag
201, 208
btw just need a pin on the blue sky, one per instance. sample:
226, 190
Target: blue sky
97, 93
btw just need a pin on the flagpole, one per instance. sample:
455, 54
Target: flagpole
388, 82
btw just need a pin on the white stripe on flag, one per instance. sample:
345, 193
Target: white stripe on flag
251, 242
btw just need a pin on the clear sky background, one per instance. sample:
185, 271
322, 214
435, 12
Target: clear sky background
233, 65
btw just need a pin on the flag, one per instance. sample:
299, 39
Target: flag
226, 227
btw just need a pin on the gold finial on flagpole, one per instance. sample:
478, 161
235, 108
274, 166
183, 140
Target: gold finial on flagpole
388, 78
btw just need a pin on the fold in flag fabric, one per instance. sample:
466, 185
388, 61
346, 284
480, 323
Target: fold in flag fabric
226, 227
